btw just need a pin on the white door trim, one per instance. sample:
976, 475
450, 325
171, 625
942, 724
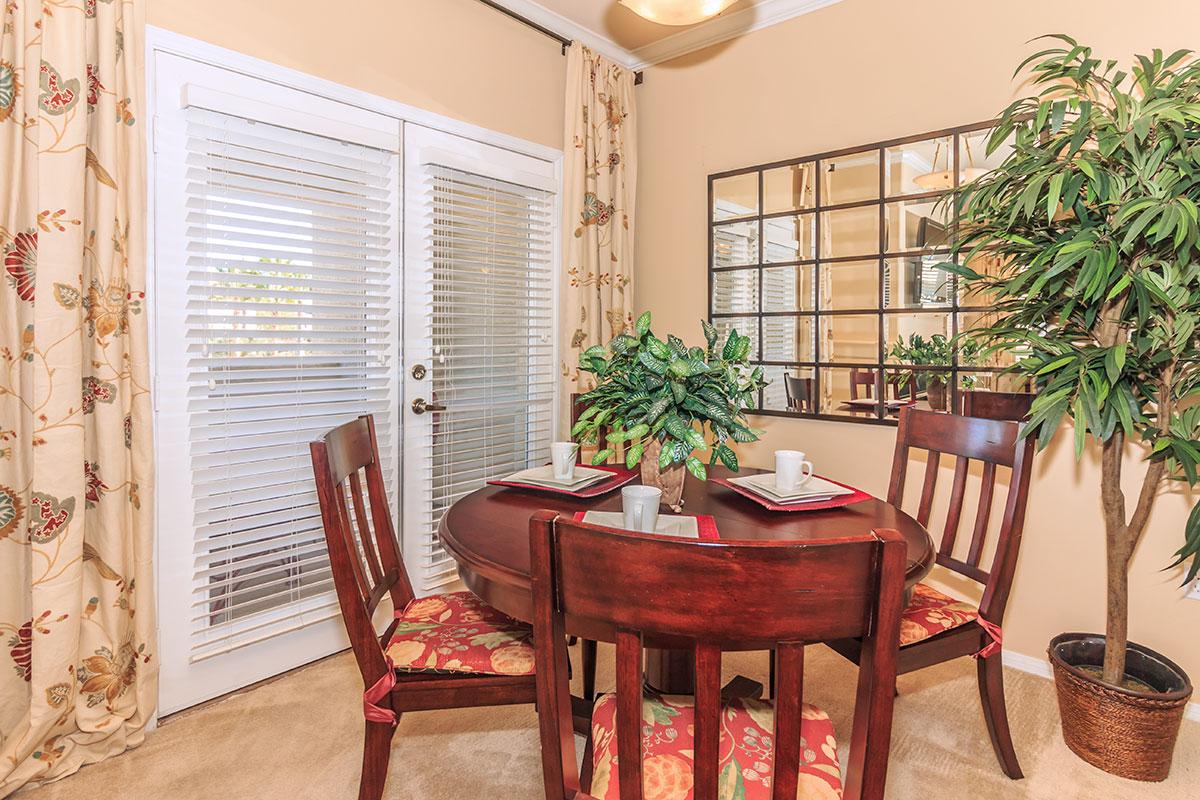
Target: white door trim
159, 40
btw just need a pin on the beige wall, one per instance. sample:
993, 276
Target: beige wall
455, 57
866, 70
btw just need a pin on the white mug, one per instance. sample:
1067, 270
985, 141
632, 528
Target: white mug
562, 454
791, 470
640, 506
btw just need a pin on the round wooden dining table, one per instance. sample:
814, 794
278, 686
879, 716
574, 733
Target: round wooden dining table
487, 533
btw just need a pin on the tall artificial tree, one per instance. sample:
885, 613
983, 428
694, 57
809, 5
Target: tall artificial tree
1093, 217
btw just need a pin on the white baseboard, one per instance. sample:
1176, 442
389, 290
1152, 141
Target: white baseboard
1041, 668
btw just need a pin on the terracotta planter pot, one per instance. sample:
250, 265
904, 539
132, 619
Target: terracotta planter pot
1124, 732
936, 392
669, 480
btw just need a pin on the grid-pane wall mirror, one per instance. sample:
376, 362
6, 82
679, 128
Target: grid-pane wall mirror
827, 261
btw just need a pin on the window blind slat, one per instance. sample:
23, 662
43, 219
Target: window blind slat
489, 243
291, 247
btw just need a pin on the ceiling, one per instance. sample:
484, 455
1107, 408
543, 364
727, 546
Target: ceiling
614, 30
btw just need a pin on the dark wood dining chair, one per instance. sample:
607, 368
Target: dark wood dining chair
441, 651
800, 392
1012, 406
936, 627
638, 590
863, 380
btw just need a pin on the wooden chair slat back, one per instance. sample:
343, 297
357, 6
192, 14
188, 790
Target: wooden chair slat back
799, 392
866, 378
828, 587
708, 597
1011, 406
993, 443
363, 552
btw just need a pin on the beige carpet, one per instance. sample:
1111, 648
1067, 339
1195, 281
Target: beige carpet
299, 737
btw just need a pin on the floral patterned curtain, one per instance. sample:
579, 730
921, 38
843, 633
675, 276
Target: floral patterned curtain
599, 177
77, 635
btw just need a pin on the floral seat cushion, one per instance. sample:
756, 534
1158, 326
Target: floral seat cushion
746, 751
930, 612
458, 632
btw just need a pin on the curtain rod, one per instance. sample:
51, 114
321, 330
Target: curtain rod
563, 41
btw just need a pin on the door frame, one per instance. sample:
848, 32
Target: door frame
162, 41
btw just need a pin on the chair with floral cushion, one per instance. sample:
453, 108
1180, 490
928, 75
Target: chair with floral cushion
645, 746
442, 651
936, 627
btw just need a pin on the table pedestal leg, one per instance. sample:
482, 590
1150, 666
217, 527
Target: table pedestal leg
670, 671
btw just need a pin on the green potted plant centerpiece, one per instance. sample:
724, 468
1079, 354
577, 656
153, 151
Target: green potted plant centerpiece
937, 351
1094, 219
656, 398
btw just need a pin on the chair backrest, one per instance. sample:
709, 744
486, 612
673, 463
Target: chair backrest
363, 551
799, 392
993, 443
1013, 406
865, 378
708, 597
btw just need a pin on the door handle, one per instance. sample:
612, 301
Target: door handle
419, 406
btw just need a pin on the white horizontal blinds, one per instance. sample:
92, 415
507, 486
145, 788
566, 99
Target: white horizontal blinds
291, 242
492, 336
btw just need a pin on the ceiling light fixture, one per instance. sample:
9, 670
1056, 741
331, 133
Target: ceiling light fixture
677, 12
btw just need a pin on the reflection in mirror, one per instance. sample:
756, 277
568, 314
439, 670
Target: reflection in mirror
789, 288
850, 285
850, 232
788, 238
850, 392
735, 292
995, 382
745, 326
735, 196
919, 166
924, 387
735, 244
903, 348
974, 157
968, 320
850, 338
791, 389
788, 339
850, 179
916, 282
983, 264
918, 224
789, 188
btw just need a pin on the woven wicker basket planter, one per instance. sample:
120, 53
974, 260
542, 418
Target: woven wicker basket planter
1123, 732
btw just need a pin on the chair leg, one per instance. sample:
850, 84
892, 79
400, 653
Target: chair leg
588, 649
771, 675
377, 750
995, 713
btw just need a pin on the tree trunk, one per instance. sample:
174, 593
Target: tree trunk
1116, 538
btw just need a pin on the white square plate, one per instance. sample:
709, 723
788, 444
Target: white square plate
544, 476
668, 524
815, 489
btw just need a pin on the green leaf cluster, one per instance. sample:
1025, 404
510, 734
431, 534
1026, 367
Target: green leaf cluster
650, 389
937, 351
1093, 216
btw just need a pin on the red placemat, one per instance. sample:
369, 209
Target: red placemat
621, 476
834, 502
706, 525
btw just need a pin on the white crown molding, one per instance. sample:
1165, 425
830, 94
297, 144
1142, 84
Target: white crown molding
763, 14
536, 12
